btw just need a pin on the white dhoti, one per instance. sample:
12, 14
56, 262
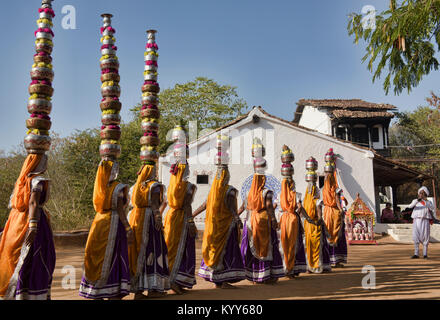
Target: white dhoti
421, 234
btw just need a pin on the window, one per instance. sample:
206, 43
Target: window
375, 134
360, 135
202, 179
341, 133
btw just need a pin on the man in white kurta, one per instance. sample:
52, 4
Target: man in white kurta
423, 213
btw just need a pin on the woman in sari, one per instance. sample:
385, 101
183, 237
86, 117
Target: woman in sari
260, 245
291, 231
317, 251
148, 254
222, 263
106, 270
180, 232
27, 252
334, 218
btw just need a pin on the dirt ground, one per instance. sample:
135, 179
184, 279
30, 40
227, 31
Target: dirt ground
397, 277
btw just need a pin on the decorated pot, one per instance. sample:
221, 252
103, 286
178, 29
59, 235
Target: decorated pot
109, 64
39, 106
150, 113
110, 77
258, 152
111, 119
37, 123
287, 171
110, 134
150, 68
108, 51
149, 141
110, 150
311, 164
328, 168
150, 57
111, 104
150, 88
44, 35
149, 155
109, 41
43, 25
35, 143
288, 157
150, 99
41, 89
39, 73
330, 156
149, 126
45, 15
44, 47
311, 176
111, 91
45, 59
150, 77
259, 162
221, 159
178, 135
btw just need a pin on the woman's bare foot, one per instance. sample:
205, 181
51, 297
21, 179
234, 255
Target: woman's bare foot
177, 289
271, 281
140, 296
225, 285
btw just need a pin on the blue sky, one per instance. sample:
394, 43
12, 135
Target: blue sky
274, 52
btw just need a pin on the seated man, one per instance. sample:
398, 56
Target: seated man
387, 214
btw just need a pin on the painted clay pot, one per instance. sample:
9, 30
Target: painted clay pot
37, 123
39, 106
149, 141
150, 88
111, 104
110, 77
150, 113
35, 143
149, 155
111, 119
41, 73
42, 89
110, 134
110, 150
288, 157
149, 126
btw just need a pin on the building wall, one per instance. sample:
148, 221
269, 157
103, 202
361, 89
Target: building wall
356, 165
316, 119
379, 145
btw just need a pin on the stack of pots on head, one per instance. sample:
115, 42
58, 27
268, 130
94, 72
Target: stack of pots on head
222, 156
180, 147
150, 111
258, 153
110, 90
287, 158
330, 159
37, 140
311, 167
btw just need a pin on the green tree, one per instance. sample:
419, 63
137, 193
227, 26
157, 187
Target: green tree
404, 41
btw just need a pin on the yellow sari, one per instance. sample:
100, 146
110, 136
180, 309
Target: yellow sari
99, 231
17, 225
139, 200
331, 214
217, 222
260, 221
288, 223
174, 218
312, 232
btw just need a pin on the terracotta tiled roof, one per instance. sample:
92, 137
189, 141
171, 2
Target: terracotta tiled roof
345, 104
341, 113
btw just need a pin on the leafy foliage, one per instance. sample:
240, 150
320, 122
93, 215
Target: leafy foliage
402, 42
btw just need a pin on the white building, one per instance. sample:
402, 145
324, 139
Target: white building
355, 120
360, 169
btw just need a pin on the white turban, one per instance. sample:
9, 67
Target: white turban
424, 189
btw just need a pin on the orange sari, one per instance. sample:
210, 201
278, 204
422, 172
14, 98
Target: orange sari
17, 225
288, 223
139, 200
312, 232
331, 214
217, 222
174, 218
260, 220
100, 229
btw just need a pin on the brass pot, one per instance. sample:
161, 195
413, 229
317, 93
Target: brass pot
150, 113
150, 88
110, 150
42, 74
111, 91
35, 143
111, 119
110, 77
149, 141
42, 89
37, 123
110, 104
110, 134
39, 106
